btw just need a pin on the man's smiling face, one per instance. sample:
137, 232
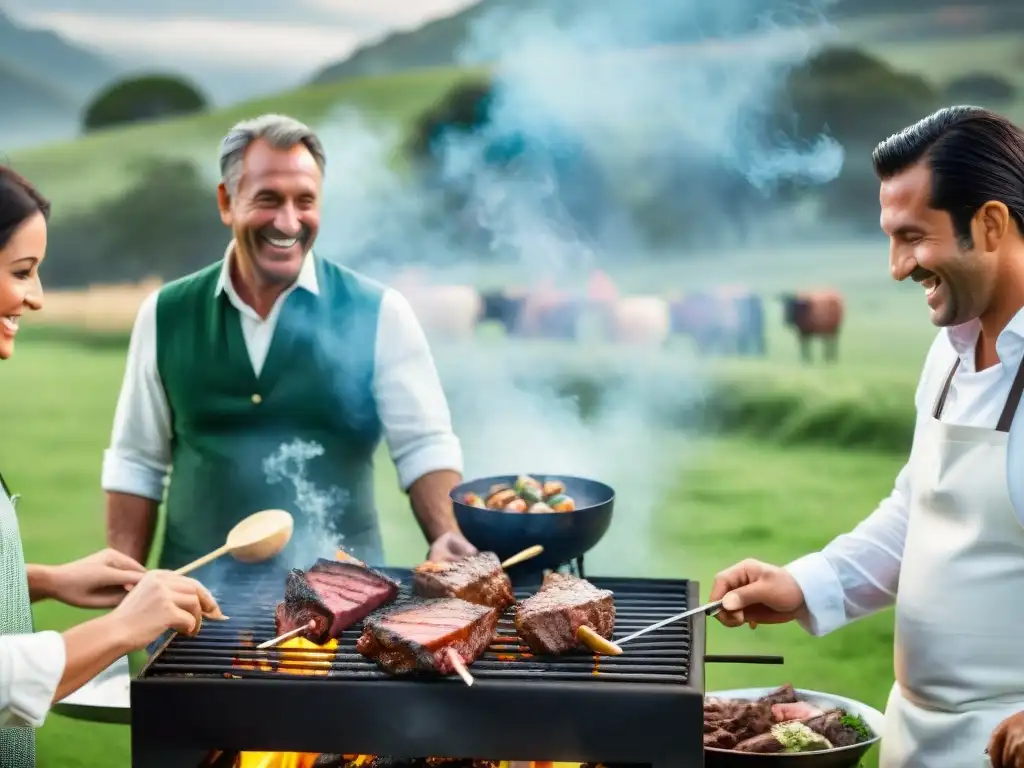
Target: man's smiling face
275, 212
958, 280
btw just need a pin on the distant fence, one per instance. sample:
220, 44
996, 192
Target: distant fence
98, 308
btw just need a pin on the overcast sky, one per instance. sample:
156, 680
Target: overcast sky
233, 48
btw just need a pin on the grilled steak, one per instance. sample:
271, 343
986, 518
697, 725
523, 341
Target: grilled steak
476, 579
334, 596
415, 634
548, 621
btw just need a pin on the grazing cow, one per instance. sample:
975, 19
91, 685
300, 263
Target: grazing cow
445, 311
641, 321
548, 313
504, 308
727, 321
815, 313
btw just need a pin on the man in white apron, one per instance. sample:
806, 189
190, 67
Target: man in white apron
947, 547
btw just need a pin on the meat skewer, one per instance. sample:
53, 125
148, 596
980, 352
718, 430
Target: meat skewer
527, 554
333, 595
460, 667
420, 635
310, 627
565, 613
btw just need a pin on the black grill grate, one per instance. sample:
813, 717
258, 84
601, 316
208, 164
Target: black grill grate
208, 692
229, 647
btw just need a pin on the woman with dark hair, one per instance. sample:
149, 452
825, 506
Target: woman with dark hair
38, 668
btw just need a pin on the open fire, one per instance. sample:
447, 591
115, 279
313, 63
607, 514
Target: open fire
307, 760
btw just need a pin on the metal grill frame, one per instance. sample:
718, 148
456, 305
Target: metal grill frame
177, 721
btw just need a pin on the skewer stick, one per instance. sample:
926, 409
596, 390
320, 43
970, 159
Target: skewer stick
526, 554
460, 666
596, 643
287, 635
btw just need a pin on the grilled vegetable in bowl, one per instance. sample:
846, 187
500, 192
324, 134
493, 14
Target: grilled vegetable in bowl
563, 536
526, 494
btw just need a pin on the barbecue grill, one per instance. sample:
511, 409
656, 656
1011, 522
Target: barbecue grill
217, 693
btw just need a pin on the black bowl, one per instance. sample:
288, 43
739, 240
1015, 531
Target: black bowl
564, 535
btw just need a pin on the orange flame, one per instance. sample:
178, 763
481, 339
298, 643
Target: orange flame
302, 657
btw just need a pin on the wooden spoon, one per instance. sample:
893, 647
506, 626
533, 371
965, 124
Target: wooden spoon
255, 539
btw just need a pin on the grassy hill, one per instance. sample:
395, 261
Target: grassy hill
439, 42
79, 173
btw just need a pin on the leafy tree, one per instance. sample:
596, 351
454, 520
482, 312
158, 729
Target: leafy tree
138, 99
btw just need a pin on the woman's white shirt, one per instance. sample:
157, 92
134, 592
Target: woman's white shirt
31, 667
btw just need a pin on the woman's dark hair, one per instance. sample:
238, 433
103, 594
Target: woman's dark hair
19, 201
975, 156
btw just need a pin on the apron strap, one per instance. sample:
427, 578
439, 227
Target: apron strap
940, 402
1012, 401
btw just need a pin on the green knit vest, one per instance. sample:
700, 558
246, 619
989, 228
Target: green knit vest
17, 745
300, 437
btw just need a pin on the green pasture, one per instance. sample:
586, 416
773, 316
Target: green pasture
756, 493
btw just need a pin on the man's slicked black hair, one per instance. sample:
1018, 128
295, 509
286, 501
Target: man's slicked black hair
975, 156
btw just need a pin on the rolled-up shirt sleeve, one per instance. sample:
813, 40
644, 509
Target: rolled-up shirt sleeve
31, 667
410, 399
858, 572
139, 455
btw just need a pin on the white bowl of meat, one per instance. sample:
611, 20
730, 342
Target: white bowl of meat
761, 724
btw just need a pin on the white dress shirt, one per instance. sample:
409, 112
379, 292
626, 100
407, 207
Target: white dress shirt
858, 572
31, 667
410, 400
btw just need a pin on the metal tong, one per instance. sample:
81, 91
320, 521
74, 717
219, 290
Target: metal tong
709, 608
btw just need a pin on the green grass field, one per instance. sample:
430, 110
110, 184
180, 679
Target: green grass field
721, 500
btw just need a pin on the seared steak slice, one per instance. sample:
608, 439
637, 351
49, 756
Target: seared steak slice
782, 695
548, 621
763, 744
476, 579
334, 595
719, 739
415, 634
301, 605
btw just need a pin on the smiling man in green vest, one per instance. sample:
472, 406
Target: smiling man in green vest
269, 356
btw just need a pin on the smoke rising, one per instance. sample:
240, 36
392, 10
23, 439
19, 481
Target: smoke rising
316, 532
597, 105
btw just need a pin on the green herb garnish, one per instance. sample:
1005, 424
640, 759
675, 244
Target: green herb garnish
856, 723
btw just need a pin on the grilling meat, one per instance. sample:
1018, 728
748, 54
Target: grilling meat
334, 596
476, 579
415, 634
548, 621
776, 723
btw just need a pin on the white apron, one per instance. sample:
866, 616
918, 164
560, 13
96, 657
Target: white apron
959, 661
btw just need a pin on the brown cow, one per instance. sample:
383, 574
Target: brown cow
815, 313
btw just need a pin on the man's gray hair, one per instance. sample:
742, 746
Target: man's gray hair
280, 131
